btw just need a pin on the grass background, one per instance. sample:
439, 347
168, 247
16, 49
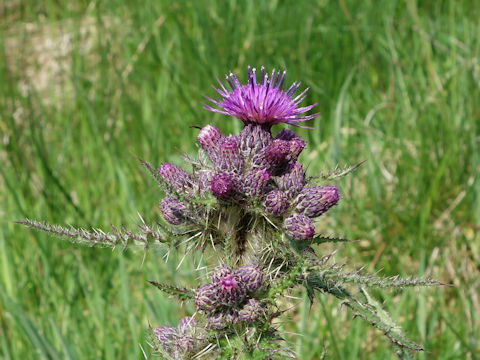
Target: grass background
87, 85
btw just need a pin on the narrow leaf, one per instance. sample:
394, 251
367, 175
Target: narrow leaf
180, 292
339, 172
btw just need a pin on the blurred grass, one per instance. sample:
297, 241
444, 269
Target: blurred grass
85, 87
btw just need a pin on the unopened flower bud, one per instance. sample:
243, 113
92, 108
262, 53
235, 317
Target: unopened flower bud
292, 181
222, 186
228, 156
299, 227
315, 200
208, 138
166, 335
230, 291
206, 297
276, 202
250, 277
221, 320
219, 272
186, 325
255, 181
184, 344
173, 210
175, 177
254, 138
273, 155
296, 147
204, 178
251, 311
286, 134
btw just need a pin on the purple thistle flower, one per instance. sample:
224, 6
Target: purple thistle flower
315, 200
276, 202
221, 271
255, 181
222, 186
299, 227
251, 311
264, 103
175, 177
166, 335
254, 138
173, 210
228, 157
250, 277
206, 297
292, 181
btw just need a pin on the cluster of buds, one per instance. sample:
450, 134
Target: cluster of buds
182, 340
230, 296
247, 169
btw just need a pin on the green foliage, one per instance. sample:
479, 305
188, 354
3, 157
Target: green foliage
179, 292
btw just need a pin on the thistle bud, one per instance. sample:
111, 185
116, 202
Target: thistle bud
222, 186
230, 292
166, 335
206, 297
254, 138
276, 202
292, 181
296, 147
299, 227
173, 210
296, 143
251, 311
208, 138
204, 178
315, 200
219, 272
255, 181
184, 344
273, 155
186, 325
221, 320
250, 277
228, 156
174, 177
286, 134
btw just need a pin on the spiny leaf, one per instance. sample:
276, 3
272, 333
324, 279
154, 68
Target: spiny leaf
382, 282
97, 237
371, 311
382, 321
179, 292
339, 172
326, 239
153, 172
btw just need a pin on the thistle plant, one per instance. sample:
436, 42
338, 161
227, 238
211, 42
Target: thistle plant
248, 201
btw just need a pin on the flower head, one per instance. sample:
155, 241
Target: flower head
313, 201
299, 227
250, 276
173, 210
265, 103
251, 311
